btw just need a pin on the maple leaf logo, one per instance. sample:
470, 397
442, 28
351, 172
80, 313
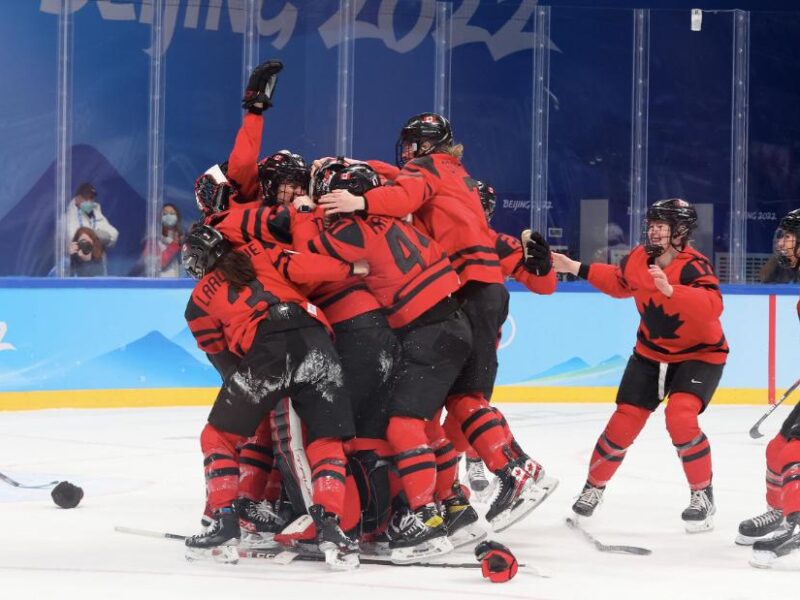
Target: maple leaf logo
660, 324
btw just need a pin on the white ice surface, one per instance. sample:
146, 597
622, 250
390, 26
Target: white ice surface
142, 468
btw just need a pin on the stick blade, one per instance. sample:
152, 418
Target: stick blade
755, 433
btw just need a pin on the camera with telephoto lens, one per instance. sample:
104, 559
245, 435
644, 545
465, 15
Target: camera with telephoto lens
85, 246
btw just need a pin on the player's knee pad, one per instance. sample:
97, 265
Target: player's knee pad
626, 423
789, 455
215, 440
433, 428
452, 429
774, 449
681, 417
462, 406
371, 475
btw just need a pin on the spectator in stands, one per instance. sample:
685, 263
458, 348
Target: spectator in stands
86, 254
165, 251
84, 211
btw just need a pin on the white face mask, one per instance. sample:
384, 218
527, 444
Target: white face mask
169, 219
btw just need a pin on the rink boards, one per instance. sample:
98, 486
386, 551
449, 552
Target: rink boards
122, 343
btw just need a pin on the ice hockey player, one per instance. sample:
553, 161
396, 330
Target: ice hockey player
244, 303
680, 352
776, 533
430, 183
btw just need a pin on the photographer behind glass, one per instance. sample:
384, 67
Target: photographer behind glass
86, 254
84, 211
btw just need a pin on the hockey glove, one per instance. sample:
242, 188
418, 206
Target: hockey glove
261, 86
498, 565
536, 252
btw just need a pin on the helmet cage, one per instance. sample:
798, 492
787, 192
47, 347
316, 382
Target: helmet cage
212, 190
203, 247
787, 255
283, 167
426, 127
681, 218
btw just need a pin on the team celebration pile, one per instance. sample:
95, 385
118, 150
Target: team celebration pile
353, 310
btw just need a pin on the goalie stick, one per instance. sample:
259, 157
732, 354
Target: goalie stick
287, 556
573, 524
754, 432
17, 484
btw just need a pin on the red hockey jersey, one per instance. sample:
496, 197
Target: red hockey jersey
683, 327
243, 162
222, 318
408, 272
444, 199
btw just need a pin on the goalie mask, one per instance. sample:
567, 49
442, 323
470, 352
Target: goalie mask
212, 190
203, 247
786, 247
427, 129
283, 167
488, 198
678, 215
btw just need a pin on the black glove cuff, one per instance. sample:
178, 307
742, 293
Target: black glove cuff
583, 271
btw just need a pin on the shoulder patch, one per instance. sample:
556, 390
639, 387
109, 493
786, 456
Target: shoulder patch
193, 311
696, 269
425, 162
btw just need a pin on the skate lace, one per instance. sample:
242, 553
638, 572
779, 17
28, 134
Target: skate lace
699, 500
591, 496
767, 518
475, 470
263, 512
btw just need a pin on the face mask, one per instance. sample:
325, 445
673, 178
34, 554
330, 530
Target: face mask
87, 206
169, 220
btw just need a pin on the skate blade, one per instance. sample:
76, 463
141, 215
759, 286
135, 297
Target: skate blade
258, 541
470, 534
337, 560
532, 497
485, 496
430, 548
375, 549
762, 559
220, 554
699, 526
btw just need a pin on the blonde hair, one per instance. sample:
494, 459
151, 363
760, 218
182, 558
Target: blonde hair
454, 150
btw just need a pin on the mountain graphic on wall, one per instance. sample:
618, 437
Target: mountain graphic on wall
185, 340
151, 361
577, 372
27, 231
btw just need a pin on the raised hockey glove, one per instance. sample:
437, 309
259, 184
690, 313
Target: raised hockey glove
536, 253
261, 86
498, 565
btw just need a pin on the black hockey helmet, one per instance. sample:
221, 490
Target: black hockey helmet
203, 247
358, 179
788, 254
488, 198
321, 181
679, 215
282, 167
419, 129
212, 190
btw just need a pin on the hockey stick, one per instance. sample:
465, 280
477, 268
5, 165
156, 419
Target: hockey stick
17, 484
754, 432
573, 524
287, 556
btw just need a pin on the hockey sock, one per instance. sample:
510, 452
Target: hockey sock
221, 466
691, 443
446, 458
256, 463
452, 429
622, 429
351, 513
414, 459
328, 474
481, 427
272, 490
472, 455
774, 467
790, 457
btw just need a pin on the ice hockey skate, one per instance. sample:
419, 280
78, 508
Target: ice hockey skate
259, 523
415, 535
588, 500
479, 482
785, 544
522, 486
341, 552
220, 541
461, 519
699, 515
761, 527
